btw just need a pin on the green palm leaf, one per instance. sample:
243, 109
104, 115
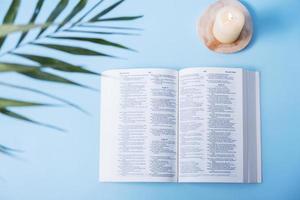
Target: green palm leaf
100, 32
107, 10
33, 17
73, 50
15, 115
56, 64
11, 67
119, 18
4, 102
79, 6
55, 13
88, 12
44, 94
7, 29
36, 73
46, 76
109, 27
93, 40
7, 103
10, 16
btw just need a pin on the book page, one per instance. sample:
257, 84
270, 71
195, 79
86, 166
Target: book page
138, 139
210, 125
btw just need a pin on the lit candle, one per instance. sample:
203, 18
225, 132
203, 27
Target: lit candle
228, 24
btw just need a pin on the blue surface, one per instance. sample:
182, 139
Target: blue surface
58, 165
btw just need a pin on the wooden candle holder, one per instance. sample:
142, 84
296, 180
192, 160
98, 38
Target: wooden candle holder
206, 22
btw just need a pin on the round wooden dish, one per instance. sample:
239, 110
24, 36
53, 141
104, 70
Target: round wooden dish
206, 23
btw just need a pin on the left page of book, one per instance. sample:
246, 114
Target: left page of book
138, 129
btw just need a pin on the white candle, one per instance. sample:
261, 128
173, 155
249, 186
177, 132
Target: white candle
228, 24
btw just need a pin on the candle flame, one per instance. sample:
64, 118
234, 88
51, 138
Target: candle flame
230, 16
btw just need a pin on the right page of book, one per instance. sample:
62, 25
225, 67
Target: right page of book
210, 125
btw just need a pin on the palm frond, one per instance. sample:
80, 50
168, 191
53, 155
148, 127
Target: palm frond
10, 16
37, 73
4, 103
73, 50
88, 12
7, 103
32, 19
38, 70
9, 113
88, 25
54, 14
119, 18
7, 29
79, 6
107, 10
101, 32
44, 94
46, 76
56, 64
93, 40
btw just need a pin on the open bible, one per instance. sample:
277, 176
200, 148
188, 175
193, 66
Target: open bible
192, 125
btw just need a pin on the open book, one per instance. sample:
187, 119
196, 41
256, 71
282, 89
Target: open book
191, 125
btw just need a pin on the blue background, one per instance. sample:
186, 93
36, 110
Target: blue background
56, 165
